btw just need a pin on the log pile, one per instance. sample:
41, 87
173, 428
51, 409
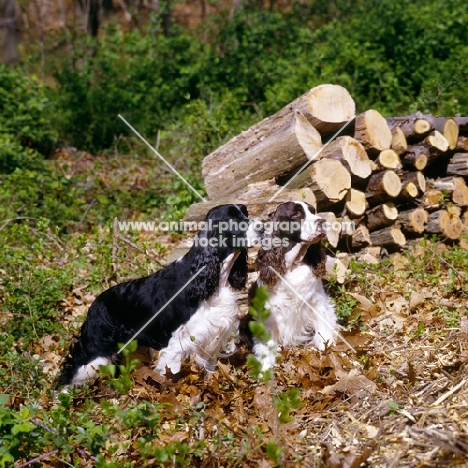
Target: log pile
392, 179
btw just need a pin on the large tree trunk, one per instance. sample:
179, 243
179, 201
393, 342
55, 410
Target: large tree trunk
413, 221
416, 156
257, 199
383, 186
372, 132
381, 216
389, 237
330, 181
415, 126
278, 144
353, 156
9, 36
456, 186
458, 165
248, 159
445, 223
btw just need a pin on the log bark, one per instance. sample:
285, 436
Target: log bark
462, 123
455, 186
388, 159
390, 238
355, 239
256, 197
415, 127
417, 178
381, 216
450, 131
445, 223
8, 33
413, 221
372, 131
462, 144
447, 127
330, 181
328, 108
352, 154
432, 199
399, 143
382, 187
458, 165
355, 202
332, 227
408, 194
436, 144
416, 156
260, 153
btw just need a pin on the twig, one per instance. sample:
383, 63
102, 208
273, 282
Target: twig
442, 259
450, 392
131, 244
54, 432
8, 221
39, 458
115, 236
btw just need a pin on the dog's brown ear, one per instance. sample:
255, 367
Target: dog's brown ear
270, 214
267, 258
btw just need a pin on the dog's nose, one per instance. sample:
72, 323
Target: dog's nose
321, 224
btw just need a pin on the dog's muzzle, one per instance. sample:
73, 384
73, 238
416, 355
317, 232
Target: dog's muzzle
255, 232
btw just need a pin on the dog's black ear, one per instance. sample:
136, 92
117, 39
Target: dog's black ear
238, 273
316, 257
274, 258
207, 281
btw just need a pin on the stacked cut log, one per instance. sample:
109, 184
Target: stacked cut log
391, 178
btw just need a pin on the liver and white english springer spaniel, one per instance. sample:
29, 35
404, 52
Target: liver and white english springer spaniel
197, 318
290, 263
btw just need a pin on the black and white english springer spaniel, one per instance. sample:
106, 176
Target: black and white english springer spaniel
198, 321
300, 310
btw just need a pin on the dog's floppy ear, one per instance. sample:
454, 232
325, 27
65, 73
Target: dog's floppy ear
207, 281
267, 258
316, 257
238, 273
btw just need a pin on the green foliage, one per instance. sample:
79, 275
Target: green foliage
32, 287
386, 54
260, 313
286, 402
14, 428
25, 127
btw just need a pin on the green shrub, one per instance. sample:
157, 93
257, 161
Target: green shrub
25, 121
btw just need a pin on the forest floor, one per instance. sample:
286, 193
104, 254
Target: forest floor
395, 394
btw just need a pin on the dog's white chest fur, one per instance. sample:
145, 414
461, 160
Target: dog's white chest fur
207, 331
301, 311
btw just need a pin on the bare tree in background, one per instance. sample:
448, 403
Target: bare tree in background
166, 17
91, 11
234, 6
9, 35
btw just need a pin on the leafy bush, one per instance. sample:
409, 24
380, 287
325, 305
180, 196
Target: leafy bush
24, 120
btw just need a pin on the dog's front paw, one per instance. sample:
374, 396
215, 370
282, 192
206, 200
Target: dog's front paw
162, 366
266, 354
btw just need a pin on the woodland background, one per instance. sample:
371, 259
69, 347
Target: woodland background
190, 75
